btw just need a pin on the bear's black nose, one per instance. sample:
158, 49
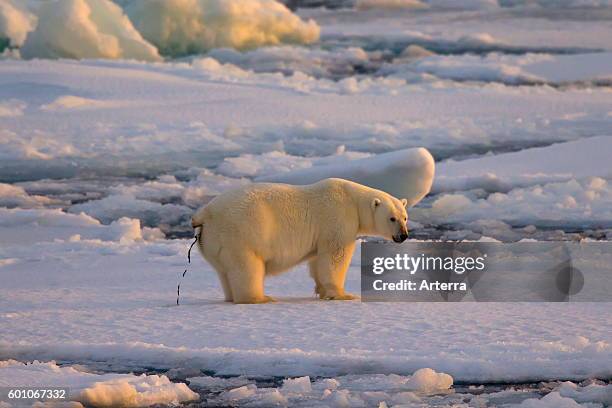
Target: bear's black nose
400, 238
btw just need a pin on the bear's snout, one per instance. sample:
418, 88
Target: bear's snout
400, 237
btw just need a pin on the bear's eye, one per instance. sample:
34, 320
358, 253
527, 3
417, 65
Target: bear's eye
392, 219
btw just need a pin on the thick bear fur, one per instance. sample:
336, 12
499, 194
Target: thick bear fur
265, 228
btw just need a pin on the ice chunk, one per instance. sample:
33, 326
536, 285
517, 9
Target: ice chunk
85, 29
270, 398
182, 27
552, 400
150, 213
575, 203
246, 391
274, 162
406, 397
124, 230
404, 173
39, 225
597, 393
15, 23
106, 390
428, 381
450, 204
340, 399
15, 196
297, 385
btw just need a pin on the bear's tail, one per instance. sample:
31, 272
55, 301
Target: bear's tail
197, 221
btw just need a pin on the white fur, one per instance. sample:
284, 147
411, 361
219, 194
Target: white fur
265, 229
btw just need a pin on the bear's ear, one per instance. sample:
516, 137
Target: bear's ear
404, 202
375, 203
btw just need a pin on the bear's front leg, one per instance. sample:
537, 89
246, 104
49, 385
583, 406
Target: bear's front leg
330, 270
314, 274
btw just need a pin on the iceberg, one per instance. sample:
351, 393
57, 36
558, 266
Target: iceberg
406, 173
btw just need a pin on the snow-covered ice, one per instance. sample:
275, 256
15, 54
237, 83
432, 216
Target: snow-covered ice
564, 184
108, 291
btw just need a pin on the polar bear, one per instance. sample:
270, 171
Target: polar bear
264, 229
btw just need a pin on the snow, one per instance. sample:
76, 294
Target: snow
555, 163
513, 70
90, 389
109, 286
180, 28
570, 203
67, 102
466, 69
573, 68
11, 108
85, 29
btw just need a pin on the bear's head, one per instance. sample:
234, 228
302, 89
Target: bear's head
390, 217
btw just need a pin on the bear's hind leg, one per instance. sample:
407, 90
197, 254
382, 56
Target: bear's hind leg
245, 275
222, 274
